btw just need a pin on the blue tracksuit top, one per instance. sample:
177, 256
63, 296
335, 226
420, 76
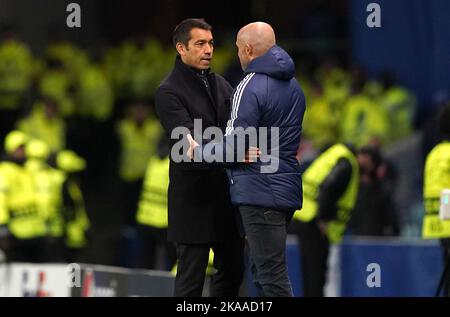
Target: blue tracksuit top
269, 97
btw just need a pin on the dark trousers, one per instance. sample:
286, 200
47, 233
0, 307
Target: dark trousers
265, 230
192, 264
149, 238
314, 248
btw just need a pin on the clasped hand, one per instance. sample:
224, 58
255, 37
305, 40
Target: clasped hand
251, 155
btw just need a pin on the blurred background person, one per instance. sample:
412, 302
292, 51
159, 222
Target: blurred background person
437, 178
330, 187
45, 123
15, 77
47, 187
362, 118
56, 83
138, 133
75, 219
321, 119
23, 227
330, 191
401, 106
151, 216
374, 213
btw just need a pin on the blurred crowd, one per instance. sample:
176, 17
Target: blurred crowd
345, 105
83, 153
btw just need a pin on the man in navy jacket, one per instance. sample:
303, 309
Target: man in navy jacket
267, 110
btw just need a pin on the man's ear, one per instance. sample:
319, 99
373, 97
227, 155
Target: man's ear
248, 50
181, 49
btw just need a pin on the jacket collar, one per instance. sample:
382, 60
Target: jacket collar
188, 69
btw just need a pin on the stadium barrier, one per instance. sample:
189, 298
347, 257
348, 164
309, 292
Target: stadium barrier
81, 280
373, 267
357, 267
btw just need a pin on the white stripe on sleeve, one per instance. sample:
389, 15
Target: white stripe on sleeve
236, 102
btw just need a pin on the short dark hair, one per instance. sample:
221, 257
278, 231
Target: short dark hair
444, 120
182, 32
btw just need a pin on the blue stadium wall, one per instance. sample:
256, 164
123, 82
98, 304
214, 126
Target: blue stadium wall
413, 42
407, 268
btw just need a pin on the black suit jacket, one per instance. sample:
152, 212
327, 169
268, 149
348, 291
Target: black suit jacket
199, 205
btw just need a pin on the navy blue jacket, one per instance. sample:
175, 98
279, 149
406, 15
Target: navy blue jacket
268, 97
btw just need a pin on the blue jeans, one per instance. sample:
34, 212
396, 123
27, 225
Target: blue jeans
265, 230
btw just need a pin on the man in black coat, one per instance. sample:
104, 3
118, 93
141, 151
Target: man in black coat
200, 212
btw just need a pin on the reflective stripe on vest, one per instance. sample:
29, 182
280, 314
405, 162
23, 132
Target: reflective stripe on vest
24, 219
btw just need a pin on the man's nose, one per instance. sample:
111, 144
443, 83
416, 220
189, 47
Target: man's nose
208, 49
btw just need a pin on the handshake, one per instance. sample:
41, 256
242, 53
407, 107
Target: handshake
252, 154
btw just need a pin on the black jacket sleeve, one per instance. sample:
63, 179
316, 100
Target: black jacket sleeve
171, 111
332, 189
